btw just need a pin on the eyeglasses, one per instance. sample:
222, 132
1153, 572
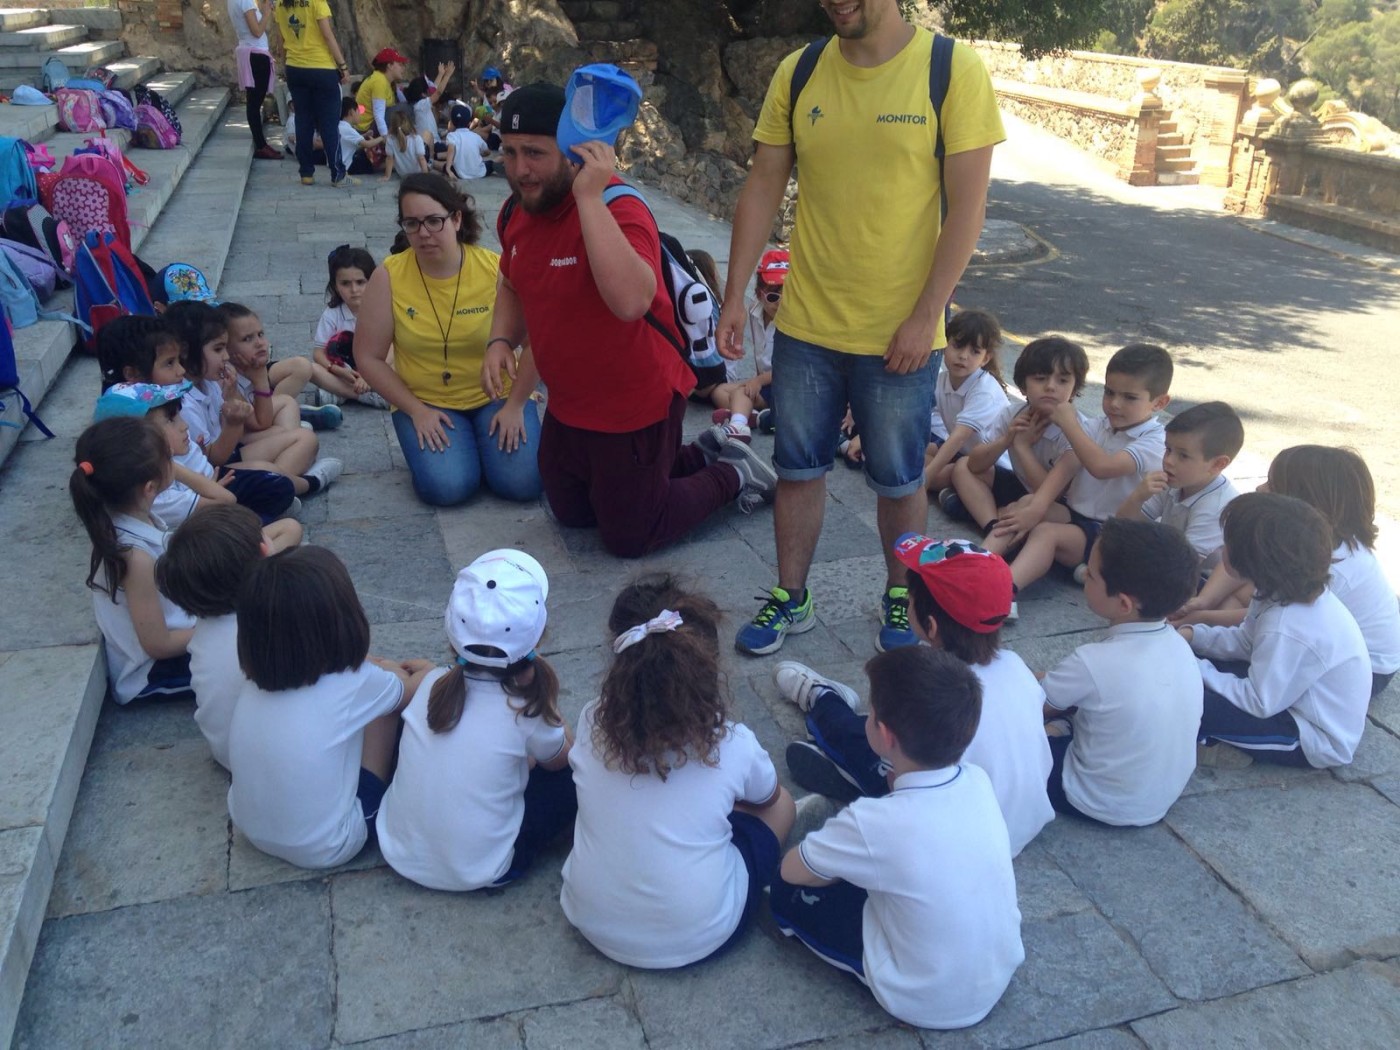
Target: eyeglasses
433, 223
773, 297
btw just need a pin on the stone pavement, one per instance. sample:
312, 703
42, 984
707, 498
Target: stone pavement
1265, 910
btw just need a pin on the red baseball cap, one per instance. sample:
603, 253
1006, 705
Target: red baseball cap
773, 267
389, 55
971, 584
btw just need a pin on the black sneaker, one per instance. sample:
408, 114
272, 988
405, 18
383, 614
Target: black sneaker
813, 770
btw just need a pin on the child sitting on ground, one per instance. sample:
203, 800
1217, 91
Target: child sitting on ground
1110, 456
202, 567
1337, 483
1189, 492
312, 741
1050, 372
914, 892
969, 396
736, 400
355, 146
350, 270
120, 466
407, 152
681, 818
271, 387
1298, 680
959, 595
483, 778
466, 150
1127, 747
216, 410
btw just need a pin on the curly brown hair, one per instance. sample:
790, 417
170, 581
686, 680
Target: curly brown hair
661, 703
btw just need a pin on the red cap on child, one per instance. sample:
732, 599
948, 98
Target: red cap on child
774, 266
971, 584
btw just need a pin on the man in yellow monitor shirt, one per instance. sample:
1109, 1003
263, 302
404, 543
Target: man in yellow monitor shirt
873, 267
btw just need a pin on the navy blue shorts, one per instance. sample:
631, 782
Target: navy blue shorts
1091, 527
168, 679
370, 792
762, 853
266, 494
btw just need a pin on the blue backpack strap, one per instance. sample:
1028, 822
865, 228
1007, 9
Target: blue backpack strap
801, 73
617, 191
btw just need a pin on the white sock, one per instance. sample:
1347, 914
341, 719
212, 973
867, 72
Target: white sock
739, 419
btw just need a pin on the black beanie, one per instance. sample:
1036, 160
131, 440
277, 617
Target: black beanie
532, 110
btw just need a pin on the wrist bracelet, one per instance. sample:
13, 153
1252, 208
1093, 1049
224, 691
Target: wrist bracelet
262, 393
501, 339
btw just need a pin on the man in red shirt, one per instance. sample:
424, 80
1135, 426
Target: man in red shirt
580, 277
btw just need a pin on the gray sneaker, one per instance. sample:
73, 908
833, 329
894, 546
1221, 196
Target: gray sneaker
812, 812
758, 481
373, 400
799, 684
326, 470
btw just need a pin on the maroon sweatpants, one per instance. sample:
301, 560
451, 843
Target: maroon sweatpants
643, 489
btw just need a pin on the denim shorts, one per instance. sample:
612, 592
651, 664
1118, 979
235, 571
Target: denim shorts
814, 385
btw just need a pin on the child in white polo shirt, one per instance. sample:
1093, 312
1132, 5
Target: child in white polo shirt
1298, 678
1110, 456
959, 594
968, 396
914, 892
1133, 700
1189, 492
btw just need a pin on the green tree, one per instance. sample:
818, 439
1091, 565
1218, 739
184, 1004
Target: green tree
1037, 25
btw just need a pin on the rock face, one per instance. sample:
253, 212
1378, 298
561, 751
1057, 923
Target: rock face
704, 64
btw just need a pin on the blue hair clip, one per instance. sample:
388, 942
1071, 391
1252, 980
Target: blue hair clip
461, 662
531, 655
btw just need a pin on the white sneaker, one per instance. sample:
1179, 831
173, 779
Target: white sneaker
1080, 571
294, 509
326, 470
373, 400
1013, 615
798, 684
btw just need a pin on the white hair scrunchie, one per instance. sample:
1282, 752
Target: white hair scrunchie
665, 620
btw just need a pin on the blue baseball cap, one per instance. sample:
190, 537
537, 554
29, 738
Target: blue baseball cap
181, 282
137, 399
599, 101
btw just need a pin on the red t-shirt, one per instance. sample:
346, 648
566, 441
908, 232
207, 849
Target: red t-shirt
603, 373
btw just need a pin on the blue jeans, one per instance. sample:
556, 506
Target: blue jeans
316, 96
453, 475
814, 385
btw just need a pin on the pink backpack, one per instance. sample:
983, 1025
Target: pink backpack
89, 195
153, 131
79, 110
128, 172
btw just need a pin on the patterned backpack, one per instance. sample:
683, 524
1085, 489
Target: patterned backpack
153, 130
79, 110
152, 97
88, 195
117, 110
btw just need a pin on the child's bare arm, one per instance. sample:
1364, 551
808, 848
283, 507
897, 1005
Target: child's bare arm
958, 438
207, 489
1099, 462
984, 456
1026, 514
147, 616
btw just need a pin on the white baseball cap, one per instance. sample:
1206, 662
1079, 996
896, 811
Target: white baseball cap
496, 614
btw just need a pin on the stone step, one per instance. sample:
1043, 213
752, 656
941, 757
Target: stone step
1172, 154
41, 349
76, 57
43, 38
1179, 178
138, 70
40, 123
50, 696
22, 18
1170, 138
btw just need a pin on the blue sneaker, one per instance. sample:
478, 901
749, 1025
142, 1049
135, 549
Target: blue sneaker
895, 632
322, 417
779, 617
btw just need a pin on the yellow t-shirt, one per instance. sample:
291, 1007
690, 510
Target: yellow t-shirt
424, 320
302, 41
376, 85
868, 201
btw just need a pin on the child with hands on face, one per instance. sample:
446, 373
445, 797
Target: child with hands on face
1050, 372
271, 387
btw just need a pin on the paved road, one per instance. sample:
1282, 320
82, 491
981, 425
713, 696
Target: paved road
1300, 341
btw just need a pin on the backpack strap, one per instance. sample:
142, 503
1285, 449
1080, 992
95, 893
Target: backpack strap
801, 73
940, 74
617, 191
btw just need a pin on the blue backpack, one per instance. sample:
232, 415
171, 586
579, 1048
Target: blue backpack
9, 384
108, 284
16, 175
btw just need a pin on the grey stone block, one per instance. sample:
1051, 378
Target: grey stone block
26, 874
894, 1038
251, 969
382, 496
399, 566
848, 591
503, 1034
250, 867
1078, 975
1259, 775
594, 1024
1102, 1039
1197, 936
1377, 755
774, 994
1043, 890
507, 950
1358, 1007
410, 638
1389, 787
150, 824
488, 523
135, 726
1288, 853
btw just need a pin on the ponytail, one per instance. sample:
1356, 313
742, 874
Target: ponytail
113, 461
532, 680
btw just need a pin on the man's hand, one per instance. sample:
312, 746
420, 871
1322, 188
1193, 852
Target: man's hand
598, 168
729, 336
911, 346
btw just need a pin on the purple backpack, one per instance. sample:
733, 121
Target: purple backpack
117, 110
153, 131
39, 270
